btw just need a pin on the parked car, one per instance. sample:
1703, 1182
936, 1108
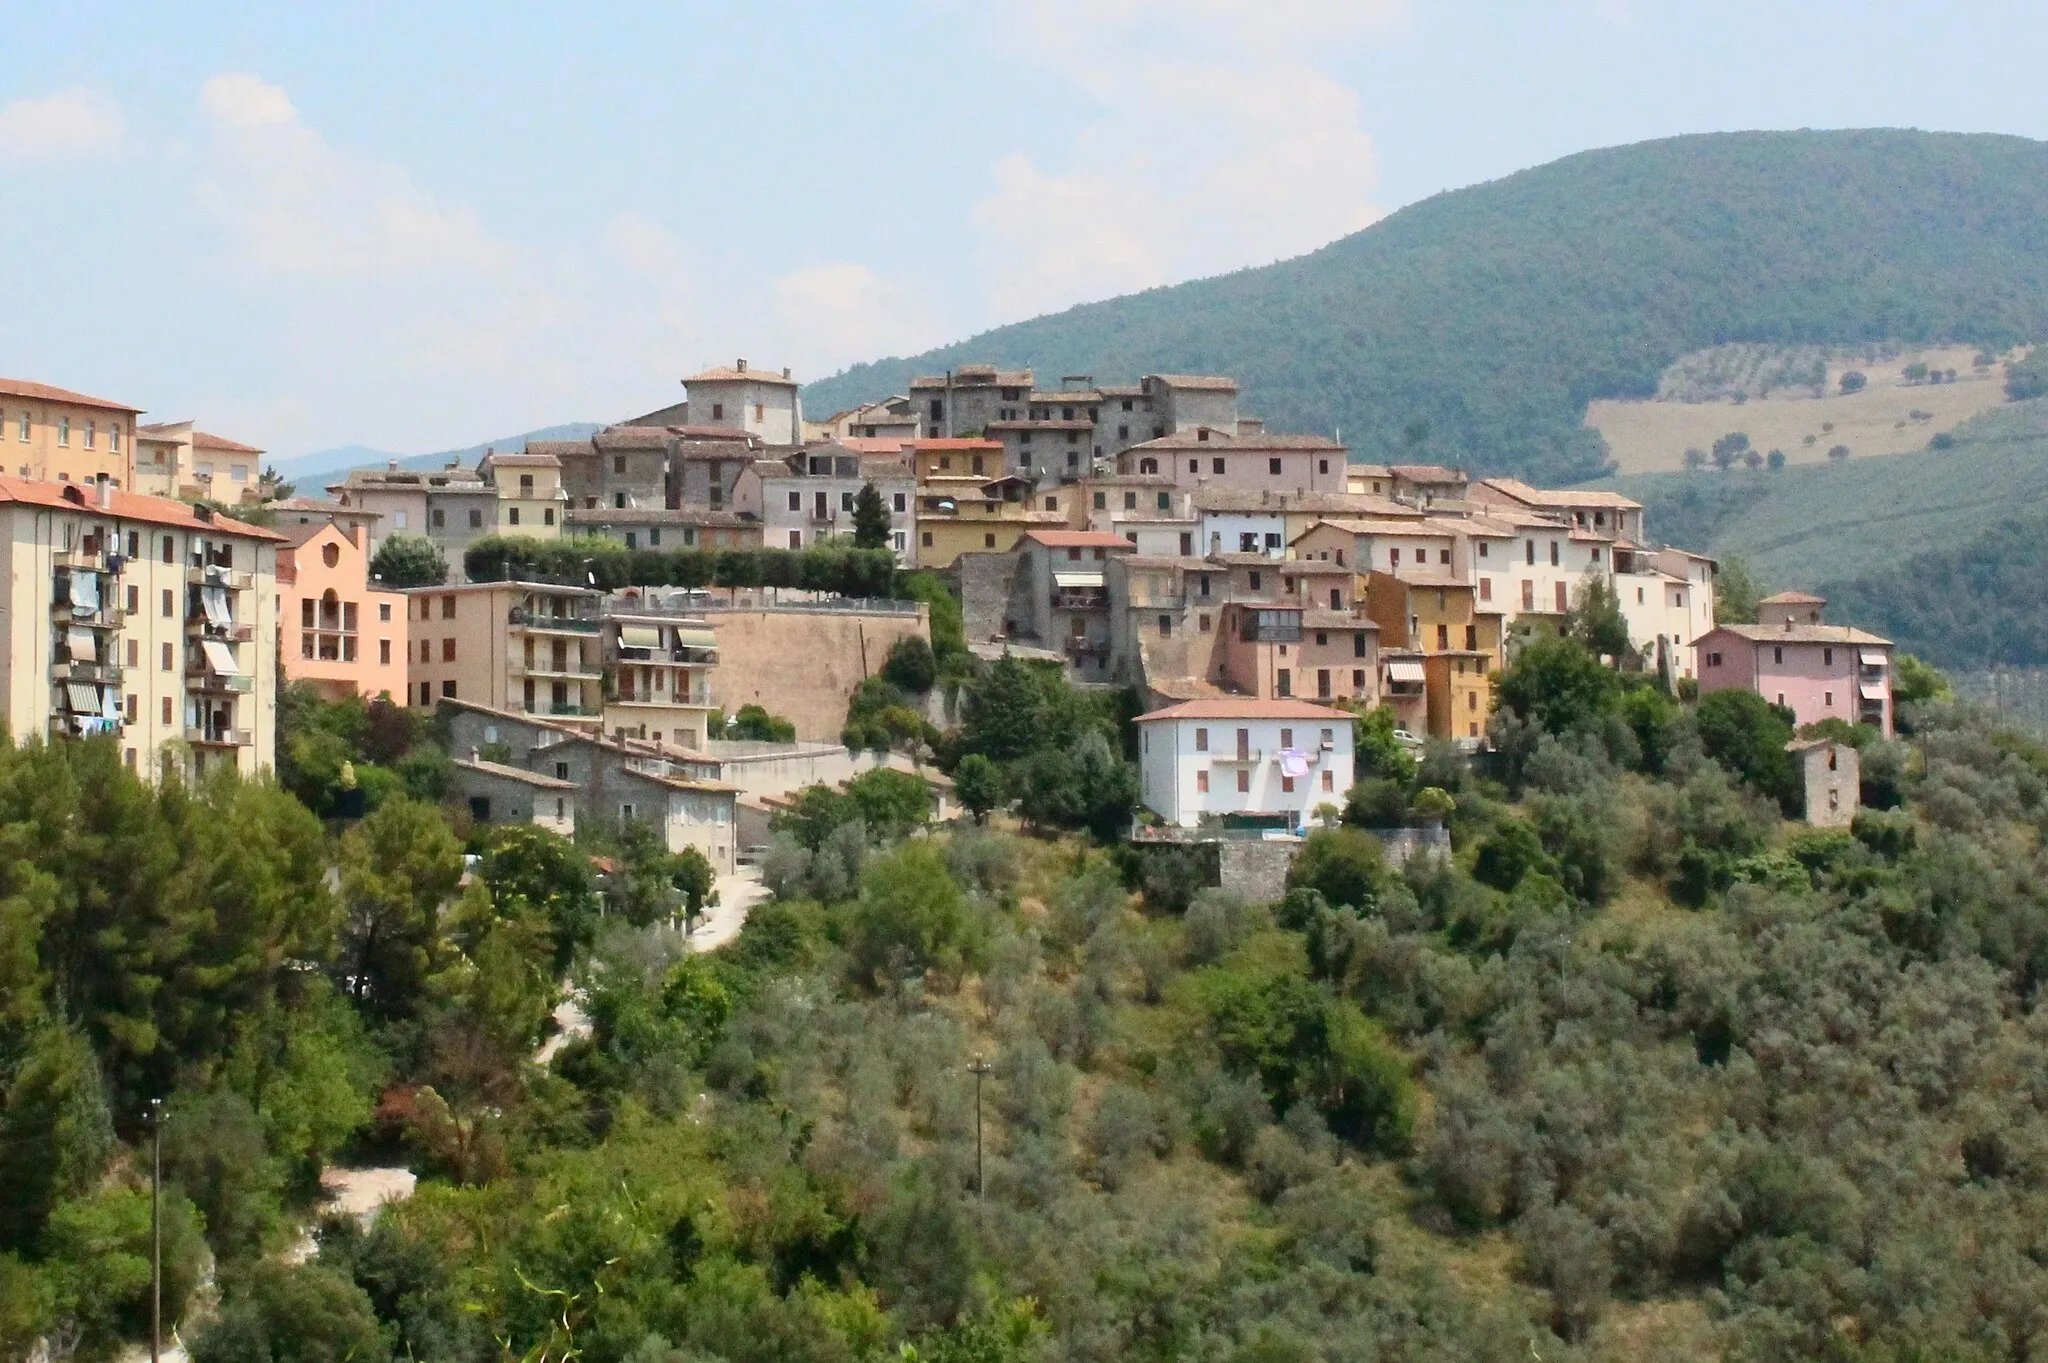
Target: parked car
1407, 740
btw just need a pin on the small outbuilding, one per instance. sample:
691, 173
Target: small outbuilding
1830, 774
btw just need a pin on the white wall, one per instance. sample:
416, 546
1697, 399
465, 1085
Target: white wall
1170, 763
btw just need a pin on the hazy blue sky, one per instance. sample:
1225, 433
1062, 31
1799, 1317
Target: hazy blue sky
369, 224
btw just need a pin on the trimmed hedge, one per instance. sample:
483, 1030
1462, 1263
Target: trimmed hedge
844, 572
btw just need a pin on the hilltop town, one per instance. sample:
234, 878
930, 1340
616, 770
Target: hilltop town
628, 596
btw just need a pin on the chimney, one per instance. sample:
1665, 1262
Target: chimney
393, 466
106, 493
785, 371
741, 366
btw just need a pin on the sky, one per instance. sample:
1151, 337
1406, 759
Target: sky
413, 227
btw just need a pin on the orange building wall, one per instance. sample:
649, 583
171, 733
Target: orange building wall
378, 637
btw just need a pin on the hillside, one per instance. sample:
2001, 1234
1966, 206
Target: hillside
1940, 549
1897, 411
314, 471
1496, 313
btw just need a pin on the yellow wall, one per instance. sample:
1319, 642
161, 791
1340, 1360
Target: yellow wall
56, 444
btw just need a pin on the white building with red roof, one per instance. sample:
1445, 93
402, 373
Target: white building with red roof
1234, 757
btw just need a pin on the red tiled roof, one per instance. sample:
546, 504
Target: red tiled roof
1244, 707
1794, 599
127, 506
950, 443
724, 375
202, 441
43, 392
1078, 539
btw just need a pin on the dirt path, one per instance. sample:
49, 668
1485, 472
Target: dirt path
737, 895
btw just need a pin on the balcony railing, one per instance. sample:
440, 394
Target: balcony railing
691, 699
211, 737
87, 672
565, 711
1236, 755
81, 560
547, 667
219, 577
565, 624
1082, 600
214, 682
234, 632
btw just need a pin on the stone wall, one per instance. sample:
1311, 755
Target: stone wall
1255, 870
987, 584
803, 664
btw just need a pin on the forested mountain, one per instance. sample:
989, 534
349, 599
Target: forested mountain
1494, 313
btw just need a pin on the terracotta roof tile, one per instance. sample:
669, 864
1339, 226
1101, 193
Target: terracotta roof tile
1245, 707
1078, 539
202, 441
748, 375
44, 392
127, 506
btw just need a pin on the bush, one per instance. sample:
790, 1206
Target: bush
1854, 381
911, 665
1343, 865
1747, 734
408, 561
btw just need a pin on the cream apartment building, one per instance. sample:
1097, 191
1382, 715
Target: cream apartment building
173, 459
57, 435
527, 647
141, 618
661, 664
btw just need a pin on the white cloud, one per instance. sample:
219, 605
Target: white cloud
842, 311
71, 125
1193, 167
295, 204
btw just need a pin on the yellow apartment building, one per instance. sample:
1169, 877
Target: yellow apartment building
1457, 638
527, 647
60, 436
658, 676
531, 500
172, 459
140, 618
959, 515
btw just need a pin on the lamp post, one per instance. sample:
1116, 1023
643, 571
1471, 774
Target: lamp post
980, 1069
156, 1235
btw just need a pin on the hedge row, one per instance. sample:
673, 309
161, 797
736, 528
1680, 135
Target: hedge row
844, 572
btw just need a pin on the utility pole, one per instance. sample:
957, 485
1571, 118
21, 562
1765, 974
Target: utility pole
980, 1069
156, 1229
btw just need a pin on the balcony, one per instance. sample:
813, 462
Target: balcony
1081, 599
547, 667
81, 560
219, 577
105, 618
1240, 756
563, 711
522, 618
688, 700
234, 632
210, 737
214, 683
1087, 648
108, 673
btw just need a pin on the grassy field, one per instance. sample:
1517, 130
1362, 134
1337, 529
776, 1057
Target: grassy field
1815, 523
1890, 416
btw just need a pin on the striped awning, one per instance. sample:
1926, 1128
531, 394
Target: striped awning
220, 658
1404, 671
695, 638
639, 636
1871, 691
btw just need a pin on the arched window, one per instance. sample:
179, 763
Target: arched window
1148, 466
330, 554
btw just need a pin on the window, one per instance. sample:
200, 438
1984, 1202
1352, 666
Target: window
1781, 698
238, 472
796, 539
426, 693
1273, 467
1777, 655
718, 411
1202, 782
1827, 657
1394, 556
448, 608
1052, 504
618, 463
1329, 780
1286, 785
1828, 699
1202, 624
134, 655
1165, 626
134, 600
399, 520
437, 518
476, 518
1713, 660
988, 541
900, 503
384, 652
653, 533
168, 666
63, 430
1216, 465
760, 411
618, 501
1283, 682
1201, 740
925, 540
1553, 553
1244, 781
426, 650
91, 433
1443, 636
167, 709
511, 515
448, 688
846, 502
561, 771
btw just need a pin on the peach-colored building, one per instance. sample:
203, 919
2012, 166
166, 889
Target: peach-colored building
336, 631
1790, 658
56, 435
1213, 458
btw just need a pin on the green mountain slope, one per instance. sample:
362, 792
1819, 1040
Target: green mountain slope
1495, 313
1942, 550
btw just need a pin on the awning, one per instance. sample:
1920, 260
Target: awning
110, 705
84, 647
1871, 691
85, 699
1077, 579
1872, 659
639, 636
220, 658
215, 602
696, 638
1404, 671
85, 592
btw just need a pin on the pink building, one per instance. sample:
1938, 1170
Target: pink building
336, 630
1791, 658
1203, 457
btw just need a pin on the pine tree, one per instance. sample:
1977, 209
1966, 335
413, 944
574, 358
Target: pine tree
870, 519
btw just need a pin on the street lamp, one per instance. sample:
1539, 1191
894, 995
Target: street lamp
980, 1069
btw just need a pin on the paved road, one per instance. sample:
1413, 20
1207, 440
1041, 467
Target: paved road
738, 893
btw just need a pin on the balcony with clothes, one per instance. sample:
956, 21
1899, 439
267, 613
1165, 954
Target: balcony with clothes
210, 613
213, 726
327, 629
85, 707
1079, 591
85, 597
214, 565
83, 654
